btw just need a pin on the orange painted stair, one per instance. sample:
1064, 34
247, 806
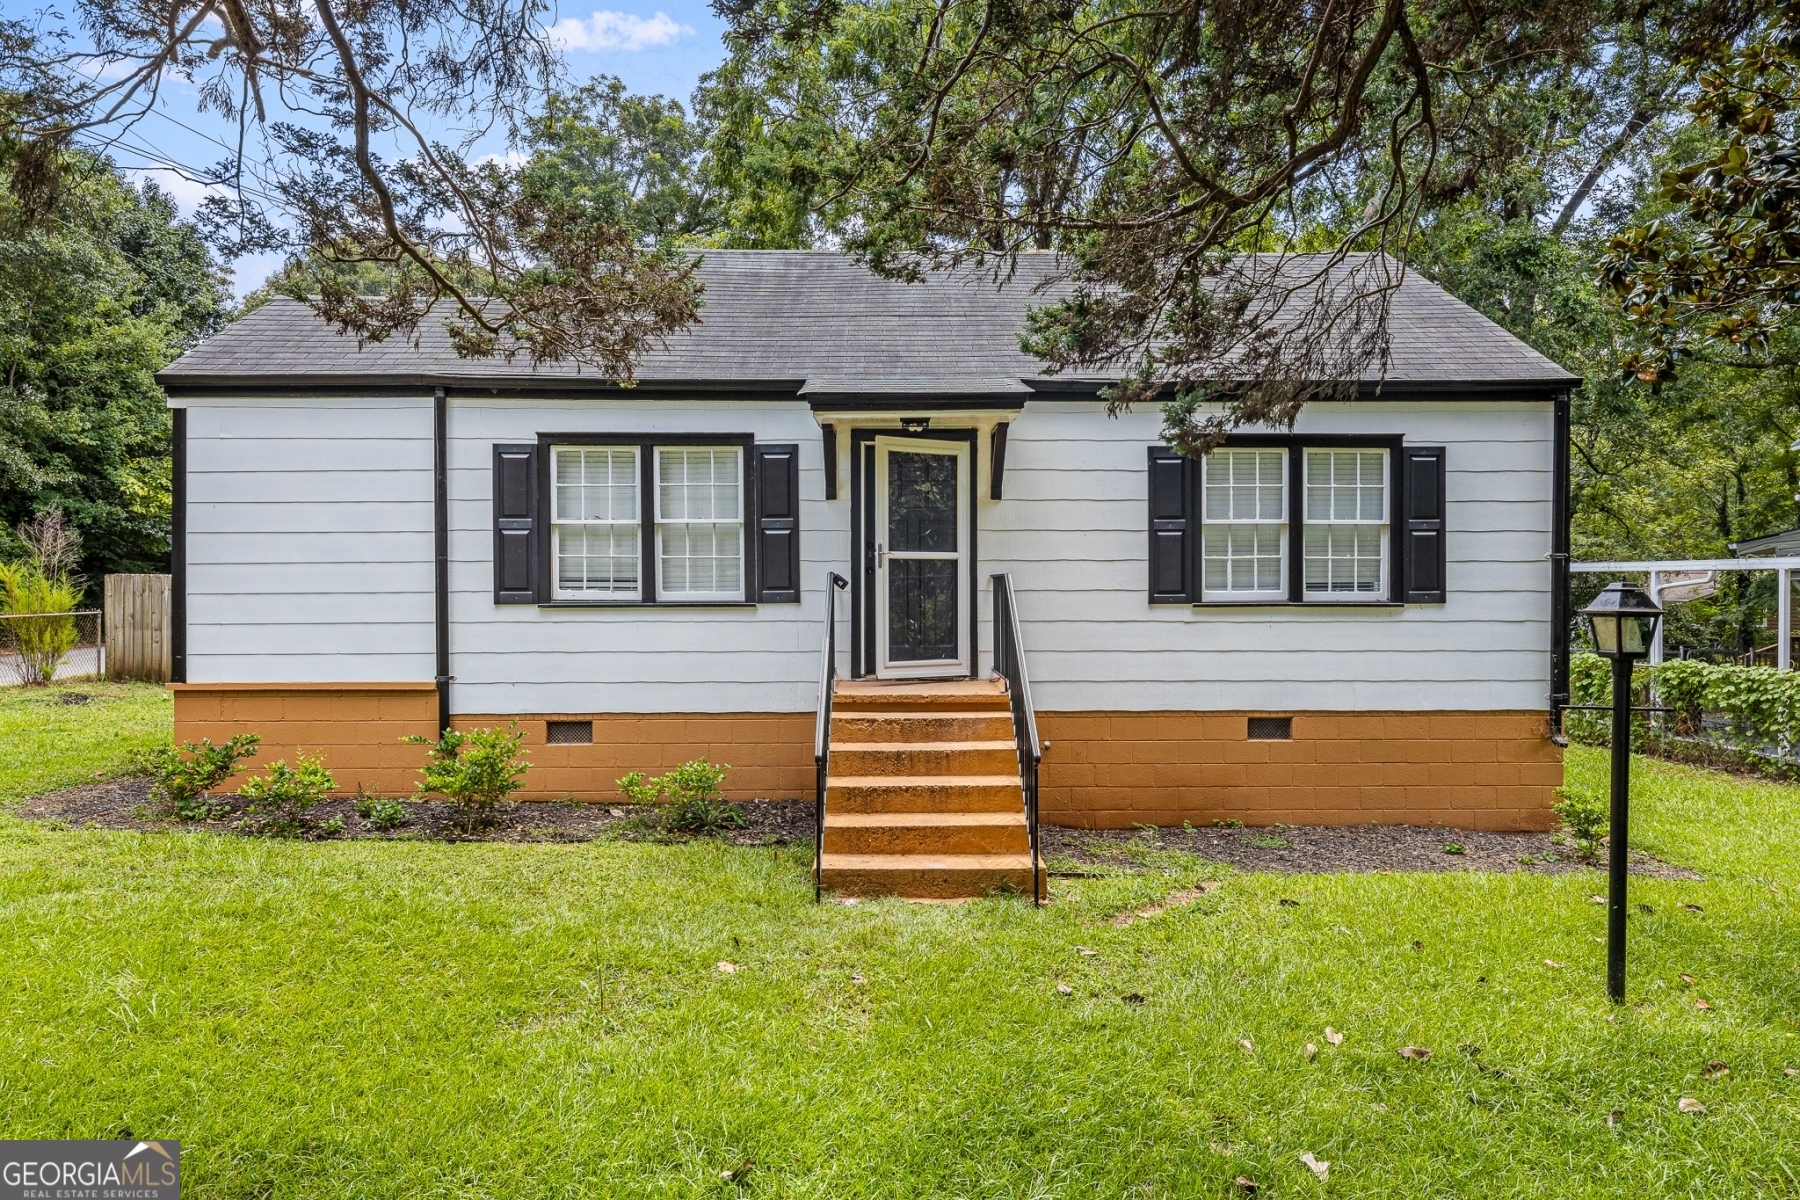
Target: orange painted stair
923, 796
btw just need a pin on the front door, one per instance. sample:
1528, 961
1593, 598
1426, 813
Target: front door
921, 558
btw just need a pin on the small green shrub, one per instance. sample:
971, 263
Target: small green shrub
279, 800
476, 770
1585, 816
380, 812
1455, 848
690, 797
183, 785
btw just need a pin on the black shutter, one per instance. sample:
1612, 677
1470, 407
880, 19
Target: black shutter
516, 530
1171, 526
778, 524
1422, 554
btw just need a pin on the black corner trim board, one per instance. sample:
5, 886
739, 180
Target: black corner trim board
1417, 480
521, 481
178, 589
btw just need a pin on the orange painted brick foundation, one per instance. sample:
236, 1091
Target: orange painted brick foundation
356, 727
771, 754
1103, 770
1467, 770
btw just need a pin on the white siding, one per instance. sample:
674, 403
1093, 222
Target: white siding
310, 559
1072, 532
309, 540
520, 658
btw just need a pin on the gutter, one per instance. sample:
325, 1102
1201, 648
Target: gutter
1559, 567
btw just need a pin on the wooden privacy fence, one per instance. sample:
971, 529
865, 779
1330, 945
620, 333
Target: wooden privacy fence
138, 627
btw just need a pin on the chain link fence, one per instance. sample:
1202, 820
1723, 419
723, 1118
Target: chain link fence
40, 648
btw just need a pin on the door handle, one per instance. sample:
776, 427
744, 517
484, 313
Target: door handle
881, 555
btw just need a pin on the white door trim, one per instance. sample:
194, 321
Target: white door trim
885, 667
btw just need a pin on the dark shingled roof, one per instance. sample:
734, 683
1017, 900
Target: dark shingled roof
817, 322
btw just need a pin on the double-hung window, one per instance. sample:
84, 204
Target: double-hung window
1346, 524
595, 523
700, 522
1244, 524
601, 508
1303, 519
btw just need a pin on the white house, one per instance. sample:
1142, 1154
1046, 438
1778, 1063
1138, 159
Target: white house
1354, 622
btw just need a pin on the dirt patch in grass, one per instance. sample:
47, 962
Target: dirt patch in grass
1306, 849
125, 804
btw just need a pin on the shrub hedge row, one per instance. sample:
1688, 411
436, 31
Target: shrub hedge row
1761, 705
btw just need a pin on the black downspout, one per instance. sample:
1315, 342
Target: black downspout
1559, 567
440, 517
178, 547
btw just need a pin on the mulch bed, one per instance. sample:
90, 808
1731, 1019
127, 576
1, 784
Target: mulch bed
125, 804
1311, 849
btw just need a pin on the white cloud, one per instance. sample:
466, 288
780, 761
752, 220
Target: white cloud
608, 30
186, 191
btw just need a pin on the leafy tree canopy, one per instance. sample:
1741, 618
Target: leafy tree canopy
102, 291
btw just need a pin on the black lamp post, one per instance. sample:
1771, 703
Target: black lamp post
1624, 620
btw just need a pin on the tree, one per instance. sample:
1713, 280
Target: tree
1719, 275
340, 114
98, 293
633, 160
1158, 146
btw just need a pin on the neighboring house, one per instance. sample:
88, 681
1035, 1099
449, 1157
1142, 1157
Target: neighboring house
1350, 623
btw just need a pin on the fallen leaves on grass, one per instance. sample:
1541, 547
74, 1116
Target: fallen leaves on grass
1597, 899
1317, 1166
1790, 1072
1414, 1053
1247, 1046
1063, 989
737, 1173
1249, 1185
1132, 998
1702, 1006
1085, 952
726, 968
1614, 1118
1693, 908
1552, 964
1333, 1036
1286, 903
1686, 978
1688, 1104
857, 979
1715, 1070
1185, 896
1311, 1052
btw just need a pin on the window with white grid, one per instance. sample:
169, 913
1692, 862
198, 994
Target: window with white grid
1244, 524
595, 523
1346, 524
700, 522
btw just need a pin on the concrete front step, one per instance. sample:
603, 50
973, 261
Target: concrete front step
926, 833
928, 793
926, 876
927, 726
924, 758
961, 695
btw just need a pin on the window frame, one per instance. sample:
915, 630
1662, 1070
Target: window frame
1279, 592
1294, 543
553, 524
1386, 524
649, 535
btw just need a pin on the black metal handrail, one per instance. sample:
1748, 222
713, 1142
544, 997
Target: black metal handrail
834, 583
1009, 664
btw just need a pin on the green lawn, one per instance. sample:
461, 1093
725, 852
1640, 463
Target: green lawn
485, 1020
46, 743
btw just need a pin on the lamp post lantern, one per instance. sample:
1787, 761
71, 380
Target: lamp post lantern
1623, 620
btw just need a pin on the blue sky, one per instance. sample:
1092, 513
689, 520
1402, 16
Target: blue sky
655, 46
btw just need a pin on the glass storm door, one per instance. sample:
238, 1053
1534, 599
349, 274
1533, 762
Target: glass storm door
921, 558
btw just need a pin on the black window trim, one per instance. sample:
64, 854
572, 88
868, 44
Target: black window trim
647, 569
1296, 445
